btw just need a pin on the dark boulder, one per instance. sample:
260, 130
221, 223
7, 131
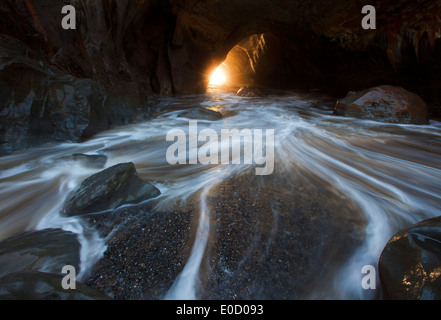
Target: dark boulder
384, 104
46, 250
43, 286
410, 265
108, 190
201, 113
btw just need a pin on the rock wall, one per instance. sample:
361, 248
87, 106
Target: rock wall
66, 85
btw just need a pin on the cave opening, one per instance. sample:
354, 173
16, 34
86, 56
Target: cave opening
278, 61
251, 62
219, 77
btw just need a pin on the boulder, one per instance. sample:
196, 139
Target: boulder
46, 250
384, 104
410, 265
251, 92
108, 190
201, 113
43, 286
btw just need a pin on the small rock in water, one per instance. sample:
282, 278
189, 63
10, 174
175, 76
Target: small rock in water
108, 190
200, 113
384, 104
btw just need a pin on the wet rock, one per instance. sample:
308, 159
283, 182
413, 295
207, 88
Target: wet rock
384, 104
410, 265
108, 190
48, 108
43, 286
251, 92
201, 113
40, 104
46, 250
90, 161
72, 103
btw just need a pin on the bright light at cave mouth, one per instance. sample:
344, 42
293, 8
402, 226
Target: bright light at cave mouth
218, 78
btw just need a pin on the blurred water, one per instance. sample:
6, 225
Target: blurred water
392, 172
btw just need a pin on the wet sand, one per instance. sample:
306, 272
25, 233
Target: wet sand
145, 254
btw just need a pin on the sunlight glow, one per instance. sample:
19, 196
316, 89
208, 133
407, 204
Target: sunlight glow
219, 77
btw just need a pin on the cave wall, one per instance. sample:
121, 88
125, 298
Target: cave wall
130, 50
132, 47
400, 54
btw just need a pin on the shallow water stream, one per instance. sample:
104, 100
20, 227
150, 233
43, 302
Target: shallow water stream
384, 176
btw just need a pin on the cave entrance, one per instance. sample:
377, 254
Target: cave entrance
220, 76
283, 61
272, 61
238, 69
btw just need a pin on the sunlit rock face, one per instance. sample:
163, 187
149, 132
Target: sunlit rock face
136, 48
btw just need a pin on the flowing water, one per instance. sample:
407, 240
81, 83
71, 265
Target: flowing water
390, 173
